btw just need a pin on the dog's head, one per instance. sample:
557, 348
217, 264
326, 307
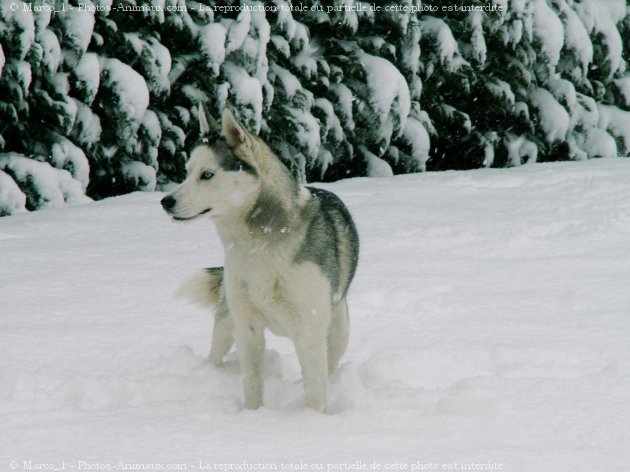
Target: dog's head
223, 172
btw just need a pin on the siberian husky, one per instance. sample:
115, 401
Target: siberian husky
290, 255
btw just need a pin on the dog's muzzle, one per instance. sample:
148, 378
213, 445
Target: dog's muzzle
169, 203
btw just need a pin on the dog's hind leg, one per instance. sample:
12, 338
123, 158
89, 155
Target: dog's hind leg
312, 355
338, 334
222, 335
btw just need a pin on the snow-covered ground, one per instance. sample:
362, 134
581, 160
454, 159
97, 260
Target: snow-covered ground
490, 326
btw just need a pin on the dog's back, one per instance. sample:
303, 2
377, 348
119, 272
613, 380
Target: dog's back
331, 241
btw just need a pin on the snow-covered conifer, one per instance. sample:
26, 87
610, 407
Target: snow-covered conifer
107, 98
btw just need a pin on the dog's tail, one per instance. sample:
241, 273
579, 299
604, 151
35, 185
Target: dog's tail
204, 288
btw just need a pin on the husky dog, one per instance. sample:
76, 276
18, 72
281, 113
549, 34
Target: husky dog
290, 255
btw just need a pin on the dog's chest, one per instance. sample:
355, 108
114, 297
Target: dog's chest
265, 282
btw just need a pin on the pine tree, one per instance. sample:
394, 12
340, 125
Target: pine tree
103, 102
37, 112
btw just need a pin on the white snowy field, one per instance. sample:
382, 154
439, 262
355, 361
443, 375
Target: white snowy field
490, 330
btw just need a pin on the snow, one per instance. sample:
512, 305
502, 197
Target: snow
564, 92
78, 26
587, 113
237, 31
42, 19
553, 117
489, 324
331, 126
285, 19
478, 42
161, 62
151, 124
490, 139
246, 91
88, 73
347, 15
2, 59
376, 167
51, 49
519, 148
447, 48
306, 62
598, 143
156, 60
576, 37
53, 186
501, 89
418, 137
343, 104
87, 125
212, 42
143, 175
66, 155
549, 31
410, 53
389, 94
623, 85
300, 38
456, 116
289, 83
616, 121
12, 199
281, 45
19, 23
602, 16
324, 159
62, 86
128, 86
24, 75
306, 132
259, 35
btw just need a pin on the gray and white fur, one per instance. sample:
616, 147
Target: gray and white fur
290, 254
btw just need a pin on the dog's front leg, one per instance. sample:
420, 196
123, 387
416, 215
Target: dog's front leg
250, 346
222, 335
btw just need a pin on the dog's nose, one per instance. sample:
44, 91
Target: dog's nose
168, 202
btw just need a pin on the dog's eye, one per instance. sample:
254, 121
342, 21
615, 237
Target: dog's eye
207, 175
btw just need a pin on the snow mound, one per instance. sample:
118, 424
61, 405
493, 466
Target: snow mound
376, 167
43, 185
246, 92
66, 155
388, 97
212, 41
554, 118
598, 143
617, 122
88, 75
128, 86
20, 25
418, 137
447, 48
549, 31
12, 200
143, 175
77, 27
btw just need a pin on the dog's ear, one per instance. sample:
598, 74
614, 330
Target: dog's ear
233, 131
207, 124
